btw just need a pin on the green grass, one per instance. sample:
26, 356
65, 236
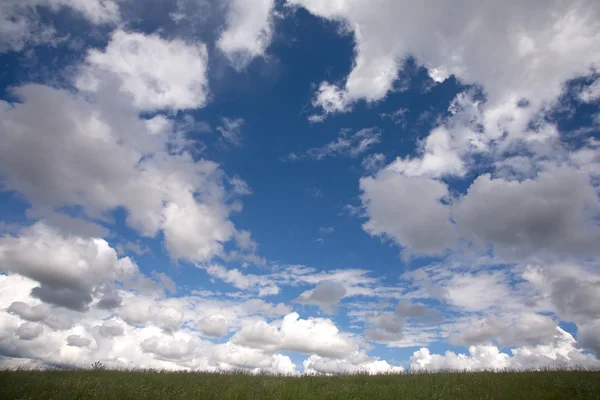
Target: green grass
545, 385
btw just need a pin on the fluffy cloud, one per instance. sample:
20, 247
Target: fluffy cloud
110, 329
109, 145
408, 210
533, 46
384, 327
78, 341
438, 157
20, 25
313, 336
407, 309
357, 363
38, 313
68, 269
248, 30
214, 325
141, 311
525, 329
588, 337
591, 93
388, 327
100, 335
572, 289
157, 73
29, 331
561, 352
553, 213
326, 295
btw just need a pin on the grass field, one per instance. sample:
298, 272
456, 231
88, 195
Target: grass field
559, 385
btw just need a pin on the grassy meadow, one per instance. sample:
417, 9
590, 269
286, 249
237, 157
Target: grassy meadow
105, 384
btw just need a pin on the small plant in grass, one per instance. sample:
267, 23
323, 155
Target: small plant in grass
98, 366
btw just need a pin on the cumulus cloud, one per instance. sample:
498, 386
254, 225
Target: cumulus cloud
384, 327
591, 93
143, 311
110, 329
214, 326
68, 269
38, 313
157, 73
561, 352
409, 210
78, 341
437, 157
356, 363
100, 335
29, 331
313, 336
388, 327
110, 146
553, 213
20, 25
326, 295
249, 27
572, 290
533, 46
525, 329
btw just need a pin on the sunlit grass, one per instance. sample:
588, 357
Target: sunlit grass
105, 384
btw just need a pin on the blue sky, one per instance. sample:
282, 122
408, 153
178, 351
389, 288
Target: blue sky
299, 186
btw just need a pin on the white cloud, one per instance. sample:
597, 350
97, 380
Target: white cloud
437, 158
384, 327
130, 168
478, 291
409, 210
534, 42
547, 216
373, 163
20, 25
398, 117
388, 327
346, 145
357, 363
261, 283
256, 361
144, 312
98, 335
248, 30
524, 329
560, 352
326, 295
231, 130
310, 336
110, 329
29, 331
78, 341
553, 213
214, 325
68, 269
591, 93
157, 73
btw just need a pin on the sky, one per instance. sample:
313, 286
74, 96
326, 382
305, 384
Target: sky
300, 186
